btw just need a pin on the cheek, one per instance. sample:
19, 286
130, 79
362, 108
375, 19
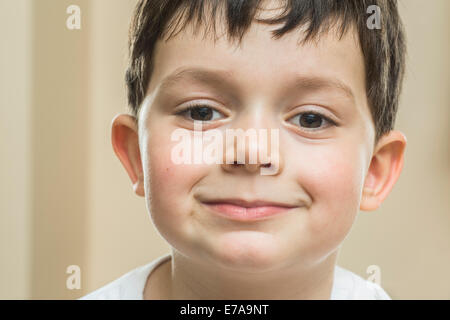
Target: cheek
168, 185
333, 180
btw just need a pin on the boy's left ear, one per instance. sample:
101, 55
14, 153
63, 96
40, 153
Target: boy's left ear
385, 168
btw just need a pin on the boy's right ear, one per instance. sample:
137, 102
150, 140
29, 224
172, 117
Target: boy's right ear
125, 141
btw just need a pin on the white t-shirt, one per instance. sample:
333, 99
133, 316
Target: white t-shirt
346, 286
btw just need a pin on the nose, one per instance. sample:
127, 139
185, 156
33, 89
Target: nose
252, 146
251, 168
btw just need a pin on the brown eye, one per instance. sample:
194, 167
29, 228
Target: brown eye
201, 113
311, 120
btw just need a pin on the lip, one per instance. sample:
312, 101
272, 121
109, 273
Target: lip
243, 210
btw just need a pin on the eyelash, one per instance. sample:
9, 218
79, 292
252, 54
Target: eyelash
325, 118
195, 106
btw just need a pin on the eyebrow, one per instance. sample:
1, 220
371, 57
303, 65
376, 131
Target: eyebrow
199, 74
220, 78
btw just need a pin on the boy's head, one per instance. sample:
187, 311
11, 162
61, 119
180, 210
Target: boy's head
318, 74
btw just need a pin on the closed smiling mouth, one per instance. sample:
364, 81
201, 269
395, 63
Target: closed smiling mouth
245, 210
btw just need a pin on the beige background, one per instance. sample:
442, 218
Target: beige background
65, 199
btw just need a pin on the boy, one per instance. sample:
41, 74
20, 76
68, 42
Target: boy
332, 98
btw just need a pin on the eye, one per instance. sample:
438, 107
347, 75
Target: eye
312, 120
200, 112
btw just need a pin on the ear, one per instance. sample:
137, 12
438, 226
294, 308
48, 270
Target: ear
125, 141
384, 170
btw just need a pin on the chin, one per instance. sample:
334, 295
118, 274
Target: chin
247, 251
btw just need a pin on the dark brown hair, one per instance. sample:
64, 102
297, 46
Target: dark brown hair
384, 49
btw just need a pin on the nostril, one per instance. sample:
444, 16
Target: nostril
265, 165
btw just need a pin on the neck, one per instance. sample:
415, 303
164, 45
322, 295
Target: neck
185, 279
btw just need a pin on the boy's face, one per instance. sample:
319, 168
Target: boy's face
322, 168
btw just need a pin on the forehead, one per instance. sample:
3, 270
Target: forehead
260, 63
